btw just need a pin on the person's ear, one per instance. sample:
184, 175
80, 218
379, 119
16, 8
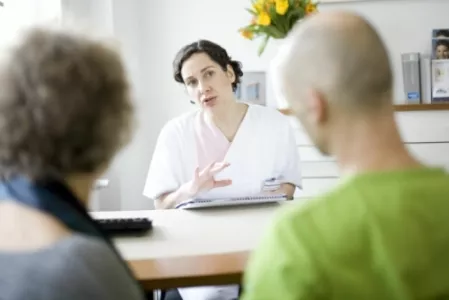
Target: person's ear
230, 73
317, 107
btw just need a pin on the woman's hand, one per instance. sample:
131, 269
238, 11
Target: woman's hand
204, 180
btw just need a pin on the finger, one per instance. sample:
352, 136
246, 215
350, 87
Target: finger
214, 168
197, 173
222, 183
207, 169
218, 168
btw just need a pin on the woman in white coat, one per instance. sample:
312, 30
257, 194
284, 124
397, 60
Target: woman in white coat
225, 148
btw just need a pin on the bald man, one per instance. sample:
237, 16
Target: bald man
383, 233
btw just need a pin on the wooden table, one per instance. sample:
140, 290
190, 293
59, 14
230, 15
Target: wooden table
193, 248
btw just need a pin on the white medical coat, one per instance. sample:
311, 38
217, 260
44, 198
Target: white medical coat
264, 147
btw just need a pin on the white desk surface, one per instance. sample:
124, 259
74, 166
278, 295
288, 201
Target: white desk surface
195, 232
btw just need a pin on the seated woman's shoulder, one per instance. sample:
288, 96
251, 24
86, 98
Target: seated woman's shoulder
76, 267
91, 265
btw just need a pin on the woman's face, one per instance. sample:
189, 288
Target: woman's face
442, 52
206, 82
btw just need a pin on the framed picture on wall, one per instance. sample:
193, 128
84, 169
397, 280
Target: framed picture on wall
440, 65
440, 80
440, 43
252, 88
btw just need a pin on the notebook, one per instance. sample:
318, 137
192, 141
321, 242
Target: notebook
217, 202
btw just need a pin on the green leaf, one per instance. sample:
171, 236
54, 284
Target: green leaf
263, 45
277, 20
274, 32
295, 15
256, 29
251, 11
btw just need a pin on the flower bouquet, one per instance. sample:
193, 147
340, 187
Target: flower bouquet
275, 18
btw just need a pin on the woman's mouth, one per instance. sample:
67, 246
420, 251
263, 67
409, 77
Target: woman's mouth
209, 101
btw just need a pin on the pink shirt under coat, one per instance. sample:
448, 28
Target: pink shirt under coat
211, 143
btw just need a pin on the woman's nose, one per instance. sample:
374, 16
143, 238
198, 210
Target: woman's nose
203, 87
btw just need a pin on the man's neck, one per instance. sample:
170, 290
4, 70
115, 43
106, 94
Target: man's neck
370, 146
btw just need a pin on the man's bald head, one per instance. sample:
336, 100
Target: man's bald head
341, 57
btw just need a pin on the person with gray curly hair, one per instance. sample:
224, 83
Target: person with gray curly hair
65, 111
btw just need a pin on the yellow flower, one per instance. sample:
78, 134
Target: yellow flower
247, 34
263, 19
281, 7
310, 8
258, 6
268, 5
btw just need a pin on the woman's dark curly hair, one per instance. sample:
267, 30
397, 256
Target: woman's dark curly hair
215, 52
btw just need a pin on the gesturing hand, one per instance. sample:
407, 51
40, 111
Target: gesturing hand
204, 180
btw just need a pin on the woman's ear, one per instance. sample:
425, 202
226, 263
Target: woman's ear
230, 73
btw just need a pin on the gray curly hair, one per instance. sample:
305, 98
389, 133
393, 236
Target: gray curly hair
65, 106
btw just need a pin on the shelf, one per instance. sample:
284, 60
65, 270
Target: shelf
421, 107
400, 107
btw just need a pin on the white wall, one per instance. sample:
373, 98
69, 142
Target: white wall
153, 31
18, 14
125, 20
405, 26
131, 29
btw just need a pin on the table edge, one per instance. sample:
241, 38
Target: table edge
197, 270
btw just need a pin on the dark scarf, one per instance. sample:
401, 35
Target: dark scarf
55, 198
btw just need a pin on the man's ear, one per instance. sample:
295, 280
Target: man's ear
317, 106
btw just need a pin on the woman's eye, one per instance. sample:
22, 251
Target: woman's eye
209, 73
191, 82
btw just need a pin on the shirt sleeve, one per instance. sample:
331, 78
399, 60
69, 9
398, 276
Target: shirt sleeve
290, 160
281, 267
164, 173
